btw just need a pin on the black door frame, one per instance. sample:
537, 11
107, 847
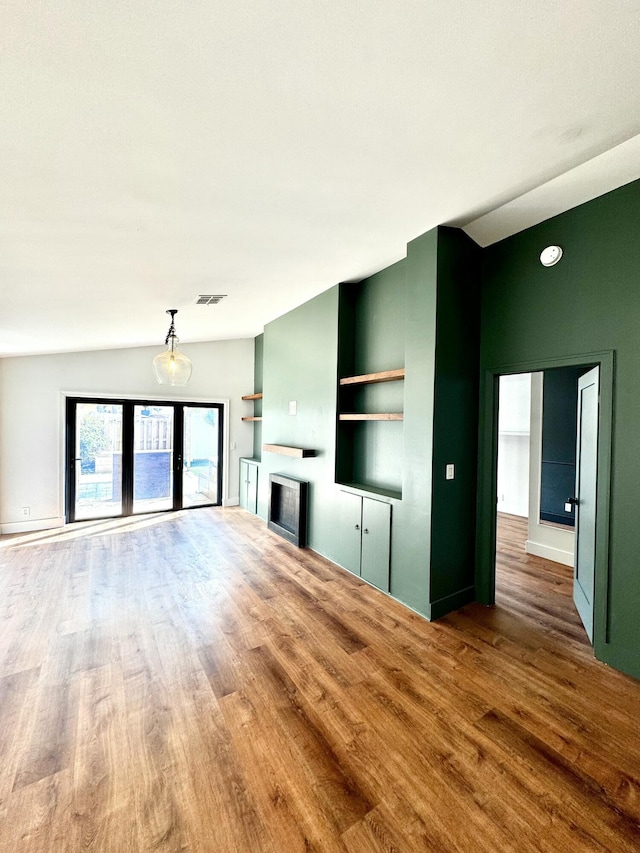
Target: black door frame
488, 485
128, 405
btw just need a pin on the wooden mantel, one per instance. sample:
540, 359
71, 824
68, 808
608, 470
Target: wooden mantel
286, 450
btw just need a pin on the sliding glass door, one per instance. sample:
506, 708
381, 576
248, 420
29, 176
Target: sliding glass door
153, 459
127, 457
201, 469
96, 464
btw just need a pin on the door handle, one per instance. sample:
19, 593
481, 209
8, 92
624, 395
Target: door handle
570, 503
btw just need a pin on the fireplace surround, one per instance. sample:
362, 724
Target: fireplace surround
288, 508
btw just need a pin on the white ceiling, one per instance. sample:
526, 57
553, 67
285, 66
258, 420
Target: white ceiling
154, 151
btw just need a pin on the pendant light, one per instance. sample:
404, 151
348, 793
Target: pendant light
172, 367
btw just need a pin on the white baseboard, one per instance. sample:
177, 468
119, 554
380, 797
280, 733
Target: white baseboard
31, 525
548, 553
231, 502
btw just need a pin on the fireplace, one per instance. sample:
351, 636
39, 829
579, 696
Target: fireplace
288, 508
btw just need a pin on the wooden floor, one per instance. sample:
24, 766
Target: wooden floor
191, 682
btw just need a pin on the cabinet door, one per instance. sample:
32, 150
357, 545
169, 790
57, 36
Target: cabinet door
252, 488
244, 476
376, 542
350, 529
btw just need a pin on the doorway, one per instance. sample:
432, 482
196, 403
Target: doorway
126, 457
488, 490
536, 474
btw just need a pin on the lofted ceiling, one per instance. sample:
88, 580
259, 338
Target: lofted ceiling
151, 152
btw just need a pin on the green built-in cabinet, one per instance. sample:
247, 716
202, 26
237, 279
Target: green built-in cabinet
365, 538
249, 469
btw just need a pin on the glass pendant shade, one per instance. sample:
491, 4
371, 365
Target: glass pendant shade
172, 367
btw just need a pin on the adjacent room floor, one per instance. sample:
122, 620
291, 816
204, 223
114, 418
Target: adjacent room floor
191, 682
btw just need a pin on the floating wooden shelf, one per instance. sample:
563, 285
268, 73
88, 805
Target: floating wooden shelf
253, 396
284, 450
371, 378
378, 416
252, 419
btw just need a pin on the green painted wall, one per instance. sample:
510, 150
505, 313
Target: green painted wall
420, 313
588, 302
423, 312
453, 518
300, 363
411, 530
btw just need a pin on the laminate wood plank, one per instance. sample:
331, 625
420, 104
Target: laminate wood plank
583, 801
18, 694
216, 797
38, 828
102, 780
337, 794
190, 681
50, 738
279, 801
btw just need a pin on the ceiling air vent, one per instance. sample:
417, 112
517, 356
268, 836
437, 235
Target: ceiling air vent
209, 300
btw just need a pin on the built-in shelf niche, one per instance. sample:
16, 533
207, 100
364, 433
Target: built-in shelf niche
255, 418
370, 440
370, 417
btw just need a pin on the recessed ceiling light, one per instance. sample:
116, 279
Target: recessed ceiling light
550, 256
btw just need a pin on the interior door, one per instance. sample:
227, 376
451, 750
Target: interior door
586, 481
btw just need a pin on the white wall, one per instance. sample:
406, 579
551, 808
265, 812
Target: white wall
32, 400
513, 444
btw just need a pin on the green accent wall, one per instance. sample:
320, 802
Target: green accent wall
453, 517
589, 302
300, 363
422, 314
454, 337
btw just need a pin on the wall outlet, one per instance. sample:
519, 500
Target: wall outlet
293, 407
26, 511
450, 472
